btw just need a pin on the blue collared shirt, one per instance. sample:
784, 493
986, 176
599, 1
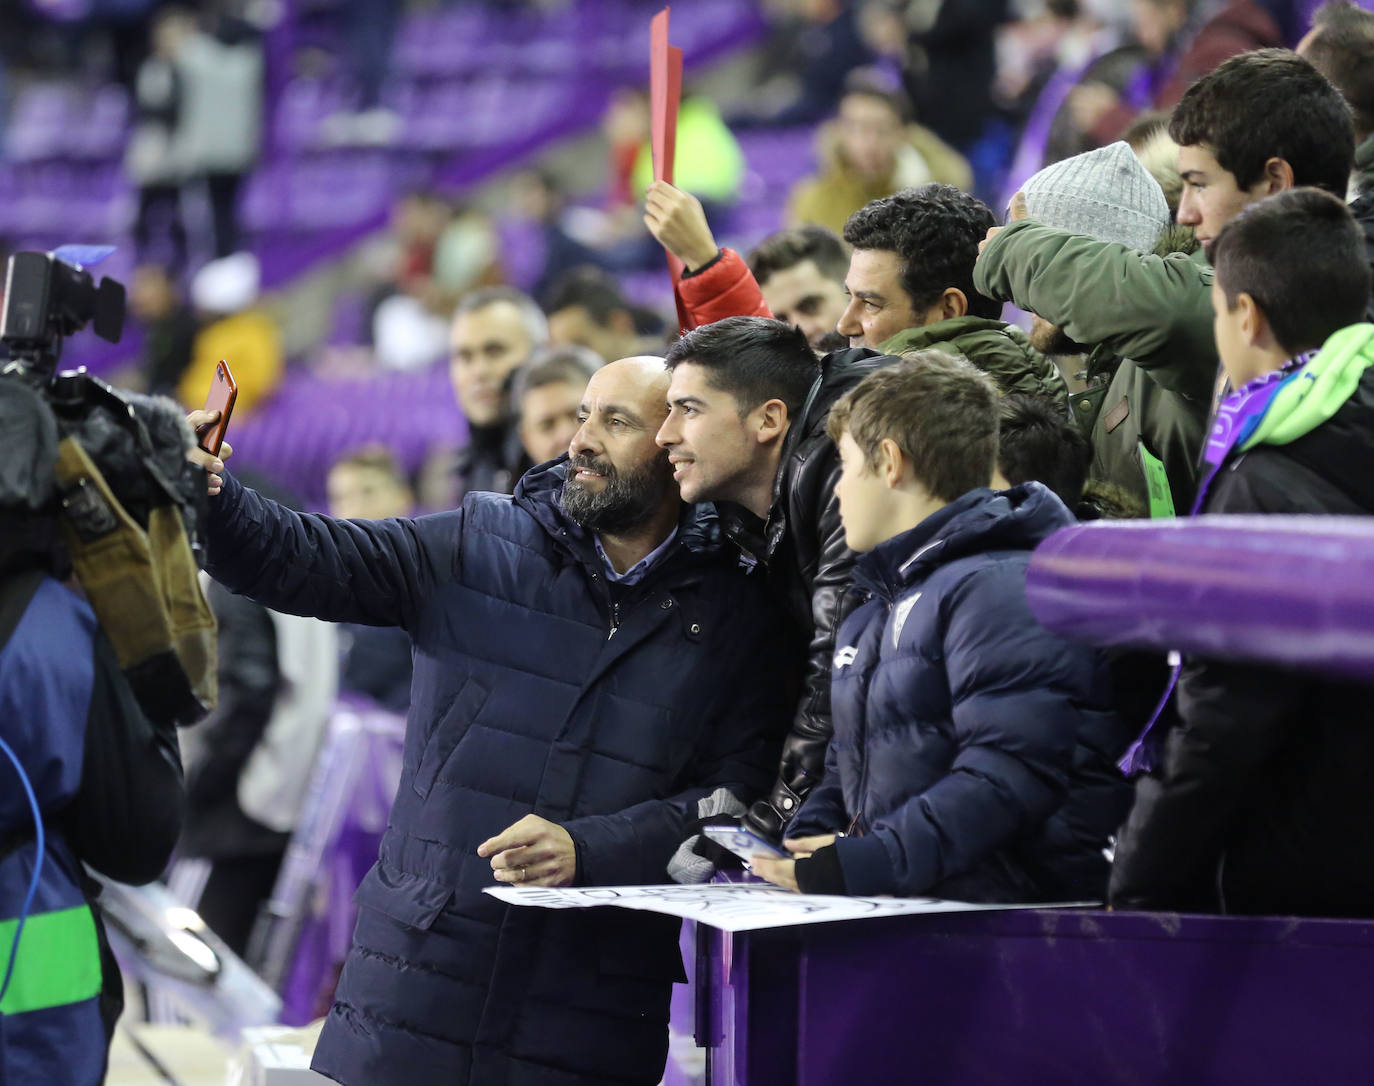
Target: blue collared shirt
640, 569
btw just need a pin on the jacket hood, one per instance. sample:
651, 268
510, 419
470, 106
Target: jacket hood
1000, 350
540, 493
982, 520
957, 331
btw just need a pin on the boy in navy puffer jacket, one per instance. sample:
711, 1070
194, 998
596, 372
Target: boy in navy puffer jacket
974, 752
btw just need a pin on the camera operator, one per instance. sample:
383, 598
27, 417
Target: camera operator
100, 638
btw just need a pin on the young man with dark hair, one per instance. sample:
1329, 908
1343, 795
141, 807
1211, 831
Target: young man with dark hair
1341, 47
1257, 800
972, 749
1037, 442
801, 274
911, 288
1260, 123
747, 405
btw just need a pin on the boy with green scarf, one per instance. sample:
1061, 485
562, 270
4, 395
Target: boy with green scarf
1257, 802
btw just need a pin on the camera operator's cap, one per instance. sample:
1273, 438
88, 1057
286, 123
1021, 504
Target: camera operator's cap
1104, 194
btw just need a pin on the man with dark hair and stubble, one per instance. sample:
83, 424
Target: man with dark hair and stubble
747, 406
910, 286
1340, 45
1260, 123
1257, 800
973, 751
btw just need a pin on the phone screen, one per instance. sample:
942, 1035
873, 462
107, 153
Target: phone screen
742, 843
223, 392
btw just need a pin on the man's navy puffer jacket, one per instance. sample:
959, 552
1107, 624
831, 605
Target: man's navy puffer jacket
975, 750
526, 698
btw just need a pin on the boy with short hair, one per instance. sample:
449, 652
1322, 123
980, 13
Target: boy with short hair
1257, 801
972, 750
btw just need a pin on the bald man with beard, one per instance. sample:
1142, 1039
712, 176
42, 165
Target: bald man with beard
593, 670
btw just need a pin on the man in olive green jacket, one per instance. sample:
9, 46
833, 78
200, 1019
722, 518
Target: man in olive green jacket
1146, 324
910, 286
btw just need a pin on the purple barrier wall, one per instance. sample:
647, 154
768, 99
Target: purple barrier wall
1295, 591
1042, 996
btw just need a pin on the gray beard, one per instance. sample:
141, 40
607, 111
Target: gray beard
627, 501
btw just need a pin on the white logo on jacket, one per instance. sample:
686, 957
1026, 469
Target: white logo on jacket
845, 657
899, 616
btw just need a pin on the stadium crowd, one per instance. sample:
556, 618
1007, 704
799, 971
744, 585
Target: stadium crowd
749, 548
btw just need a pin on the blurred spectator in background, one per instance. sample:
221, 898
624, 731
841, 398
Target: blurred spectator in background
169, 327
433, 256
547, 393
246, 762
494, 332
1341, 47
951, 65
219, 120
369, 33
587, 309
801, 273
1183, 41
538, 196
812, 46
871, 151
708, 162
368, 484
152, 160
236, 329
1088, 47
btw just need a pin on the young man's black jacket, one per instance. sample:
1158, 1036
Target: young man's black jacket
1262, 803
810, 568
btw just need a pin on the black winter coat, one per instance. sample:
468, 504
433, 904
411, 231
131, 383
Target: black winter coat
1261, 803
810, 568
526, 698
974, 751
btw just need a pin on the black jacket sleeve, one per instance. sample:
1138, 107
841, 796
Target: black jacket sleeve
248, 681
377, 572
125, 818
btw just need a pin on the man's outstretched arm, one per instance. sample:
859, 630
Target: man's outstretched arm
372, 572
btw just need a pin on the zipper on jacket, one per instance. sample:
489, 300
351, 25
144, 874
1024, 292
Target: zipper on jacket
615, 620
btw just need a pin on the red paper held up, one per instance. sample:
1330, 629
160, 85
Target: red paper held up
665, 97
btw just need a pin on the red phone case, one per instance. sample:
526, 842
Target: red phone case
223, 392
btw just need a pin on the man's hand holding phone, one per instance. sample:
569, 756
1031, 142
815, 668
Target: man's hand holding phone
210, 424
202, 422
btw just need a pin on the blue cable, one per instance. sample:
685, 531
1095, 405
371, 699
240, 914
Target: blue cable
37, 867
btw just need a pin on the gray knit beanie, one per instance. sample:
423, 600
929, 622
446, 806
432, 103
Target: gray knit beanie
1106, 194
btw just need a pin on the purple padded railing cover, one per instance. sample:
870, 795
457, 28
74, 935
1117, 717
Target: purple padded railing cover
1292, 591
